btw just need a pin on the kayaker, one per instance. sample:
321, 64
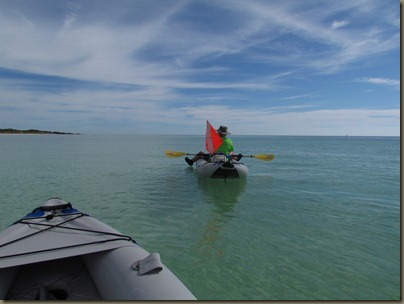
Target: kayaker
225, 148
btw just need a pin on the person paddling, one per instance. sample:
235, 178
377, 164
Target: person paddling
226, 148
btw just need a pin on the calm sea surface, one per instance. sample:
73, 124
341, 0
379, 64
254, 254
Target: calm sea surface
319, 222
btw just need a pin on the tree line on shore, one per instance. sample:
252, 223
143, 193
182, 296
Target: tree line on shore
32, 131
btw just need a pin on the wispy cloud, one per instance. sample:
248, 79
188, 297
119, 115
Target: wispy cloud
381, 81
99, 51
156, 61
295, 97
339, 23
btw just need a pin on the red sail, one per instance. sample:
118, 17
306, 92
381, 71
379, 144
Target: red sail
212, 140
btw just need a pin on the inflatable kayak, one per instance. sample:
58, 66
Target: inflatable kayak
57, 252
220, 168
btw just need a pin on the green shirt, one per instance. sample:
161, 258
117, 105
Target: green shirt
226, 147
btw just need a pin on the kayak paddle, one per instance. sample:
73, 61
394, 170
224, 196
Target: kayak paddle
173, 154
267, 157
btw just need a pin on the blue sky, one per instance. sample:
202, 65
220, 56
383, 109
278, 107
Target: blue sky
267, 67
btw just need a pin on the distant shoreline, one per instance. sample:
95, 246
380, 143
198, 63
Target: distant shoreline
34, 131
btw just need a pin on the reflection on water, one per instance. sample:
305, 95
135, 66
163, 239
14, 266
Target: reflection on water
223, 196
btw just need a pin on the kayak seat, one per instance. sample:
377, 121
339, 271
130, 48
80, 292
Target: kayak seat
228, 165
63, 279
218, 158
53, 294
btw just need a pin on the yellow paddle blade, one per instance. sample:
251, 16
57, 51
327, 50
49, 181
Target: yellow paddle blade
267, 157
173, 154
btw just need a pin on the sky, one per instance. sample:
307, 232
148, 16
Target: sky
270, 67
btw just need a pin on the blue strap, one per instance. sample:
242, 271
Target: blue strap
35, 213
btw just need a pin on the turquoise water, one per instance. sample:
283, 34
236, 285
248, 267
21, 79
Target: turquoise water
319, 222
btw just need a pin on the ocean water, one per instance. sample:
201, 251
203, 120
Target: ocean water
319, 222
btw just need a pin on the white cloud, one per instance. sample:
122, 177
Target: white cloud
85, 49
78, 110
339, 23
167, 56
382, 81
335, 49
297, 122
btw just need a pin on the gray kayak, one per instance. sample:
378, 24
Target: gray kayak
220, 169
57, 252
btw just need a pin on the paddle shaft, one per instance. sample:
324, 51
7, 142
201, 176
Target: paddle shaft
173, 154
